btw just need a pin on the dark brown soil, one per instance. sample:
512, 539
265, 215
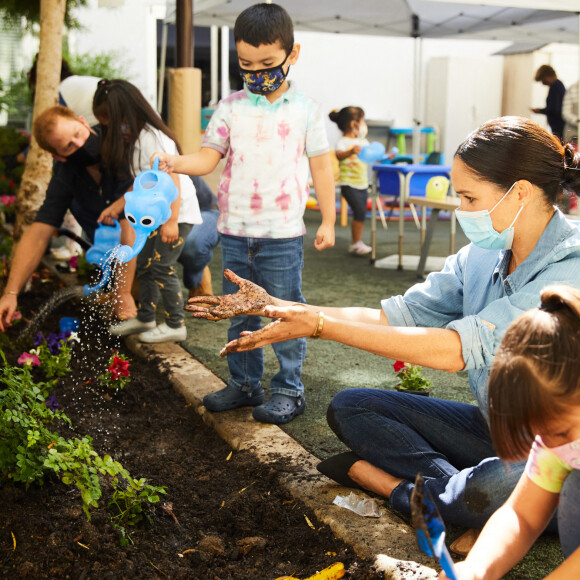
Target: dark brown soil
222, 518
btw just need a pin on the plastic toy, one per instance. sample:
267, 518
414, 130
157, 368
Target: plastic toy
372, 153
429, 527
147, 207
68, 323
106, 238
437, 188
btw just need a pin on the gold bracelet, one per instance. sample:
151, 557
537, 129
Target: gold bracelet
11, 292
319, 326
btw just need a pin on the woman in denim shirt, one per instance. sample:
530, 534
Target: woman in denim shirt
508, 174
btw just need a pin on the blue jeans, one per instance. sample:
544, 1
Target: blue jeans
569, 513
275, 265
198, 249
448, 442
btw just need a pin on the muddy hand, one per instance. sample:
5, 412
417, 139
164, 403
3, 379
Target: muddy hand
290, 322
250, 299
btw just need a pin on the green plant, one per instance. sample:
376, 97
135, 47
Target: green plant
15, 96
110, 65
54, 353
410, 377
30, 449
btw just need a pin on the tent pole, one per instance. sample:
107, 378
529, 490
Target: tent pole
163, 57
225, 62
417, 56
214, 66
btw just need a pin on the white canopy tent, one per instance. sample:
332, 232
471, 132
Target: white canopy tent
522, 22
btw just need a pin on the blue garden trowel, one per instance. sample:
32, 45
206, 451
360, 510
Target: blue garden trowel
429, 527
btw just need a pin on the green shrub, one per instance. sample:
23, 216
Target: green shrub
32, 448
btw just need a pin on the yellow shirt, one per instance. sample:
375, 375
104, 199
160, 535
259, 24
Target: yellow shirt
353, 171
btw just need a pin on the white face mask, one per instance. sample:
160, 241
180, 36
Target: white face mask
363, 130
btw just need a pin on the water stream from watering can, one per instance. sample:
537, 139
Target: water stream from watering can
59, 297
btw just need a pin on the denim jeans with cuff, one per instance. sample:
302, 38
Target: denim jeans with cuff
448, 442
275, 265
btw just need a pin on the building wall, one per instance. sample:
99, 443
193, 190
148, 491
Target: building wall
521, 92
375, 73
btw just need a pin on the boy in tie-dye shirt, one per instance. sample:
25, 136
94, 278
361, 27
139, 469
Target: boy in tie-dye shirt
270, 134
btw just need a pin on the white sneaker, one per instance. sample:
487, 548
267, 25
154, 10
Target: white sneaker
163, 333
61, 253
360, 248
130, 326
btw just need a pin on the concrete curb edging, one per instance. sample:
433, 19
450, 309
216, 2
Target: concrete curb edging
388, 540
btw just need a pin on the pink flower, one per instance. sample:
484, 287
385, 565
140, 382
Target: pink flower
17, 315
399, 365
28, 359
73, 262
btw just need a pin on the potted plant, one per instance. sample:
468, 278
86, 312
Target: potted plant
411, 379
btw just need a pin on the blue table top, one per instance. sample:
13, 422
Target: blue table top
411, 168
409, 130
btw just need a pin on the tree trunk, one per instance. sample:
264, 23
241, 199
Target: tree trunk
38, 169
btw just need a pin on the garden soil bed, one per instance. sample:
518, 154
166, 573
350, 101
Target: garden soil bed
225, 516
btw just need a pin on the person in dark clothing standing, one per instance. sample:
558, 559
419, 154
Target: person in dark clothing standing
553, 109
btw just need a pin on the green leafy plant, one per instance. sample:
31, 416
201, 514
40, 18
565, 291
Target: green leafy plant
53, 353
109, 64
411, 378
32, 448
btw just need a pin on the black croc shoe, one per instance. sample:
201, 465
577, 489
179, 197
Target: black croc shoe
231, 397
279, 409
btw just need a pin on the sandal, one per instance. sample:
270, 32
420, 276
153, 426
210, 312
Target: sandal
462, 545
280, 409
231, 397
337, 467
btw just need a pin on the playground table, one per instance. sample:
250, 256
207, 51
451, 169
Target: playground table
407, 181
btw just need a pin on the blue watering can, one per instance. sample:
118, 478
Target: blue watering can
147, 207
106, 238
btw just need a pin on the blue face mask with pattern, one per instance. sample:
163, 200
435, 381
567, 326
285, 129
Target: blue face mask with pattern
266, 80
477, 226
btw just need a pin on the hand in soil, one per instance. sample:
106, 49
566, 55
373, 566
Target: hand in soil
250, 299
290, 322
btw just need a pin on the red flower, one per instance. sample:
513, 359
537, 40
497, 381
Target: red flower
399, 365
119, 368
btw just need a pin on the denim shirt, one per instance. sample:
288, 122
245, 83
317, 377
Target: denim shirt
475, 296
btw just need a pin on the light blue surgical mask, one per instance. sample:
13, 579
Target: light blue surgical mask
477, 226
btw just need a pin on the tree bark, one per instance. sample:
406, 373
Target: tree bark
38, 169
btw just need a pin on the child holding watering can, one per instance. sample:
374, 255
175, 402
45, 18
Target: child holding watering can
132, 132
534, 401
354, 177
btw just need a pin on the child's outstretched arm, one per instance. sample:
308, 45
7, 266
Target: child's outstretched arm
509, 533
323, 180
200, 163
